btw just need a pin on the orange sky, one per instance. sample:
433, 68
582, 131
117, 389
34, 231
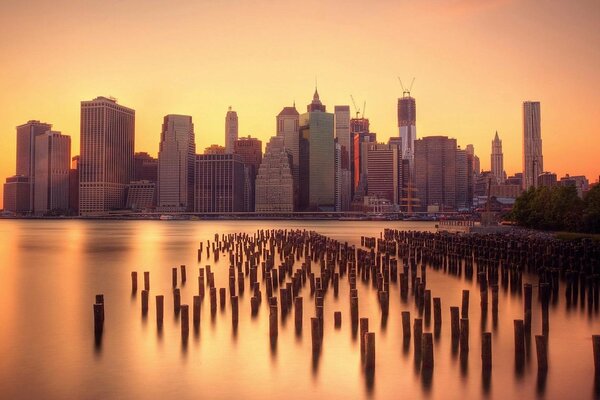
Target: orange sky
475, 62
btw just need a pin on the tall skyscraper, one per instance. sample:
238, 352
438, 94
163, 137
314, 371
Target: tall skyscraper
463, 171
176, 164
317, 157
384, 172
250, 151
343, 137
533, 160
497, 160
231, 130
361, 138
407, 116
51, 177
219, 183
106, 159
274, 182
288, 126
435, 172
26, 135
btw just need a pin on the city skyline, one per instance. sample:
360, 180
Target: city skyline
468, 97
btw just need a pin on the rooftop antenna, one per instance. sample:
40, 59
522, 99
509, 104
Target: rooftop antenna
406, 91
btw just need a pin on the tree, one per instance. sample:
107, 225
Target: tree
591, 211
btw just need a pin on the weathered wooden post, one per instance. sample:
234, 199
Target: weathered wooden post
298, 312
147, 280
354, 309
519, 341
222, 294
337, 319
273, 328
464, 335
406, 325
196, 311
213, 300
315, 331
596, 347
160, 305
527, 308
174, 277
144, 302
185, 320
176, 301
234, 310
183, 274
370, 350
427, 306
437, 316
98, 317
465, 304
542, 352
427, 351
134, 281
363, 329
418, 334
454, 322
486, 352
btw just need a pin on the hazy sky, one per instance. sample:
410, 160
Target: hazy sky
475, 62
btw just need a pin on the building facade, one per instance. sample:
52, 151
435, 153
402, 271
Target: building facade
288, 127
249, 150
497, 160
145, 167
343, 137
141, 195
231, 130
435, 172
275, 182
533, 160
384, 172
219, 183
16, 194
106, 159
407, 118
51, 177
176, 164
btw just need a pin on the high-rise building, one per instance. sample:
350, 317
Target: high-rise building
497, 160
16, 194
231, 130
533, 160
26, 135
176, 164
74, 186
106, 159
343, 137
51, 174
317, 157
474, 167
435, 172
384, 172
145, 167
407, 116
274, 182
250, 151
361, 138
219, 183
463, 172
288, 125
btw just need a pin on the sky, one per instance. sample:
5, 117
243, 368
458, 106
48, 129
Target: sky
474, 63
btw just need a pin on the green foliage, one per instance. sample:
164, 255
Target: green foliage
558, 208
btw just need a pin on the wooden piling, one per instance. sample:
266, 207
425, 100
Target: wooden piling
437, 315
196, 310
160, 304
315, 332
185, 319
273, 328
418, 334
144, 301
147, 280
176, 300
454, 322
370, 350
464, 335
183, 274
174, 277
234, 310
465, 304
363, 329
337, 319
427, 351
542, 352
527, 308
406, 325
134, 281
98, 317
596, 348
486, 352
519, 341
298, 312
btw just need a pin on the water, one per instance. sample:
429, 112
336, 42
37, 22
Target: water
51, 270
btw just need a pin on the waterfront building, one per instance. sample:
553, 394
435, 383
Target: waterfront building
145, 167
231, 130
106, 159
219, 183
463, 172
497, 160
361, 138
26, 135
533, 160
343, 137
141, 195
250, 151
176, 164
16, 194
435, 172
51, 174
275, 182
384, 172
288, 127
317, 157
74, 186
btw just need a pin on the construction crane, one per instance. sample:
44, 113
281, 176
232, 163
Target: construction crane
364, 108
356, 109
405, 91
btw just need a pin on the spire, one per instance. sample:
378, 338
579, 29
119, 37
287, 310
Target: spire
496, 137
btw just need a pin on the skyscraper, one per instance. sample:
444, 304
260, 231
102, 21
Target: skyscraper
288, 125
219, 183
274, 182
26, 135
497, 160
435, 172
384, 172
231, 130
250, 151
462, 179
176, 164
533, 160
407, 113
145, 167
317, 153
51, 177
106, 159
341, 117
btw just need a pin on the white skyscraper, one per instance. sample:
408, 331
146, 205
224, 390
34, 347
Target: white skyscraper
106, 159
533, 160
176, 159
497, 160
231, 130
52, 165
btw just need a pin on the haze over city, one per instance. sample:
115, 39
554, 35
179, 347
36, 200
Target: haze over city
474, 63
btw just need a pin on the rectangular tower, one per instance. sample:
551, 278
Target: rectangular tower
533, 160
52, 167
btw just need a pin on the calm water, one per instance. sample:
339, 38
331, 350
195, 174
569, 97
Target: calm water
51, 270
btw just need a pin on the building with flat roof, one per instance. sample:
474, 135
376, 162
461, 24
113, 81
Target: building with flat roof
219, 183
52, 167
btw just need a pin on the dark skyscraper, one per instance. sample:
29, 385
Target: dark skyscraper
407, 112
435, 172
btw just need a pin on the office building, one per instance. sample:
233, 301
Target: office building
288, 126
219, 183
51, 174
249, 150
74, 186
384, 172
231, 130
106, 159
141, 195
145, 167
435, 172
533, 160
16, 194
343, 137
497, 160
274, 182
407, 116
176, 164
547, 179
